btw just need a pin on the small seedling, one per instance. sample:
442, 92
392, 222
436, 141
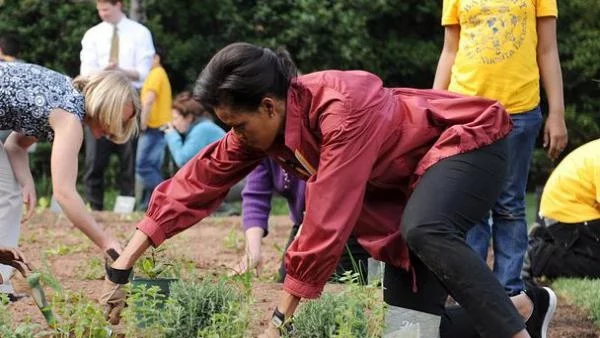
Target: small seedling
233, 240
40, 298
91, 269
43, 204
63, 249
155, 265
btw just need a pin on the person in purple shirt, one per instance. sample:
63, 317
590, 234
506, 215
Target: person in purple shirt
268, 178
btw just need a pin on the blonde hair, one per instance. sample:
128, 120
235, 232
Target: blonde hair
106, 94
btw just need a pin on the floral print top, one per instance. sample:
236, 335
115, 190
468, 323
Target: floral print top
28, 93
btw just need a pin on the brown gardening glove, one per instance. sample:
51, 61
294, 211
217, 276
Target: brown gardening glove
113, 300
14, 258
113, 293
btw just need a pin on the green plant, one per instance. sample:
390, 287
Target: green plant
24, 330
64, 249
91, 269
206, 309
47, 277
143, 315
355, 312
79, 317
233, 240
43, 204
156, 265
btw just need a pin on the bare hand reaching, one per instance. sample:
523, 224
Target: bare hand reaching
29, 199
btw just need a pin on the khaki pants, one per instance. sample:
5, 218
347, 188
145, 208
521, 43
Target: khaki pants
11, 204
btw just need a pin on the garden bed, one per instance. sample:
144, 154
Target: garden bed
207, 250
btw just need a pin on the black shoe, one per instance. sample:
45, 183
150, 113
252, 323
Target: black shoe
544, 305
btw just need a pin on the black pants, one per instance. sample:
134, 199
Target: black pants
565, 250
354, 259
451, 197
97, 155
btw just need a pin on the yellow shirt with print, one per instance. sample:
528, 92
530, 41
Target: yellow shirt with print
158, 82
497, 50
572, 193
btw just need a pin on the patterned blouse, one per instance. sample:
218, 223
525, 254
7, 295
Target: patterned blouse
28, 93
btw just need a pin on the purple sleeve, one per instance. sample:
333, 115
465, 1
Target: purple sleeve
256, 198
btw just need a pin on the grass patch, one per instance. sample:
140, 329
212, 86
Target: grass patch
585, 293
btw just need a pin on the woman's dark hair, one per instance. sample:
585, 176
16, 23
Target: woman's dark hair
185, 104
241, 75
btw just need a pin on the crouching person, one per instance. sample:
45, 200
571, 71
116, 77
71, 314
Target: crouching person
567, 243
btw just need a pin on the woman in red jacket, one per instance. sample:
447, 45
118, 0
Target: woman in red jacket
406, 171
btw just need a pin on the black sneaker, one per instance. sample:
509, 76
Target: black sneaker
544, 305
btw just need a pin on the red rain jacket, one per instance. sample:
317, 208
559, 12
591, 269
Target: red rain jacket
362, 148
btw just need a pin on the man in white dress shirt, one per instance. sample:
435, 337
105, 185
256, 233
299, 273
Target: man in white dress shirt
121, 44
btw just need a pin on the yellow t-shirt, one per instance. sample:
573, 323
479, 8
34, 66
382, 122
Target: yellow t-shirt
497, 50
158, 82
572, 193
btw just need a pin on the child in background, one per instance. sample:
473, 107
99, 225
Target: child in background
156, 112
500, 49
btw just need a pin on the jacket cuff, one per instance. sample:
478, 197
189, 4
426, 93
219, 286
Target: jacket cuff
152, 230
302, 289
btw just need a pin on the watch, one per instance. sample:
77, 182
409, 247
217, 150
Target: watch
278, 319
284, 327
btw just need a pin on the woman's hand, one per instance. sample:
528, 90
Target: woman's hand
117, 274
168, 128
29, 198
251, 261
253, 257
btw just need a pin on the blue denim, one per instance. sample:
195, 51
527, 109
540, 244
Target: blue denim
507, 226
149, 159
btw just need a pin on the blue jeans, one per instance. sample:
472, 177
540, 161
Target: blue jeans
149, 159
507, 225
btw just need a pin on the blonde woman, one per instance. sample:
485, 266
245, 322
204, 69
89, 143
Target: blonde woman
40, 104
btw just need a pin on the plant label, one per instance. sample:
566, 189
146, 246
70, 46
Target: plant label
124, 204
375, 270
406, 323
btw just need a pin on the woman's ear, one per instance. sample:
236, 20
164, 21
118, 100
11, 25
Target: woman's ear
268, 105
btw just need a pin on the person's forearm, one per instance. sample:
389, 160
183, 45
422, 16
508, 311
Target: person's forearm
288, 304
551, 74
138, 244
444, 70
75, 210
146, 108
254, 237
19, 162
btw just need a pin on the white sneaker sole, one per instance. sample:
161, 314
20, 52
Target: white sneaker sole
550, 313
